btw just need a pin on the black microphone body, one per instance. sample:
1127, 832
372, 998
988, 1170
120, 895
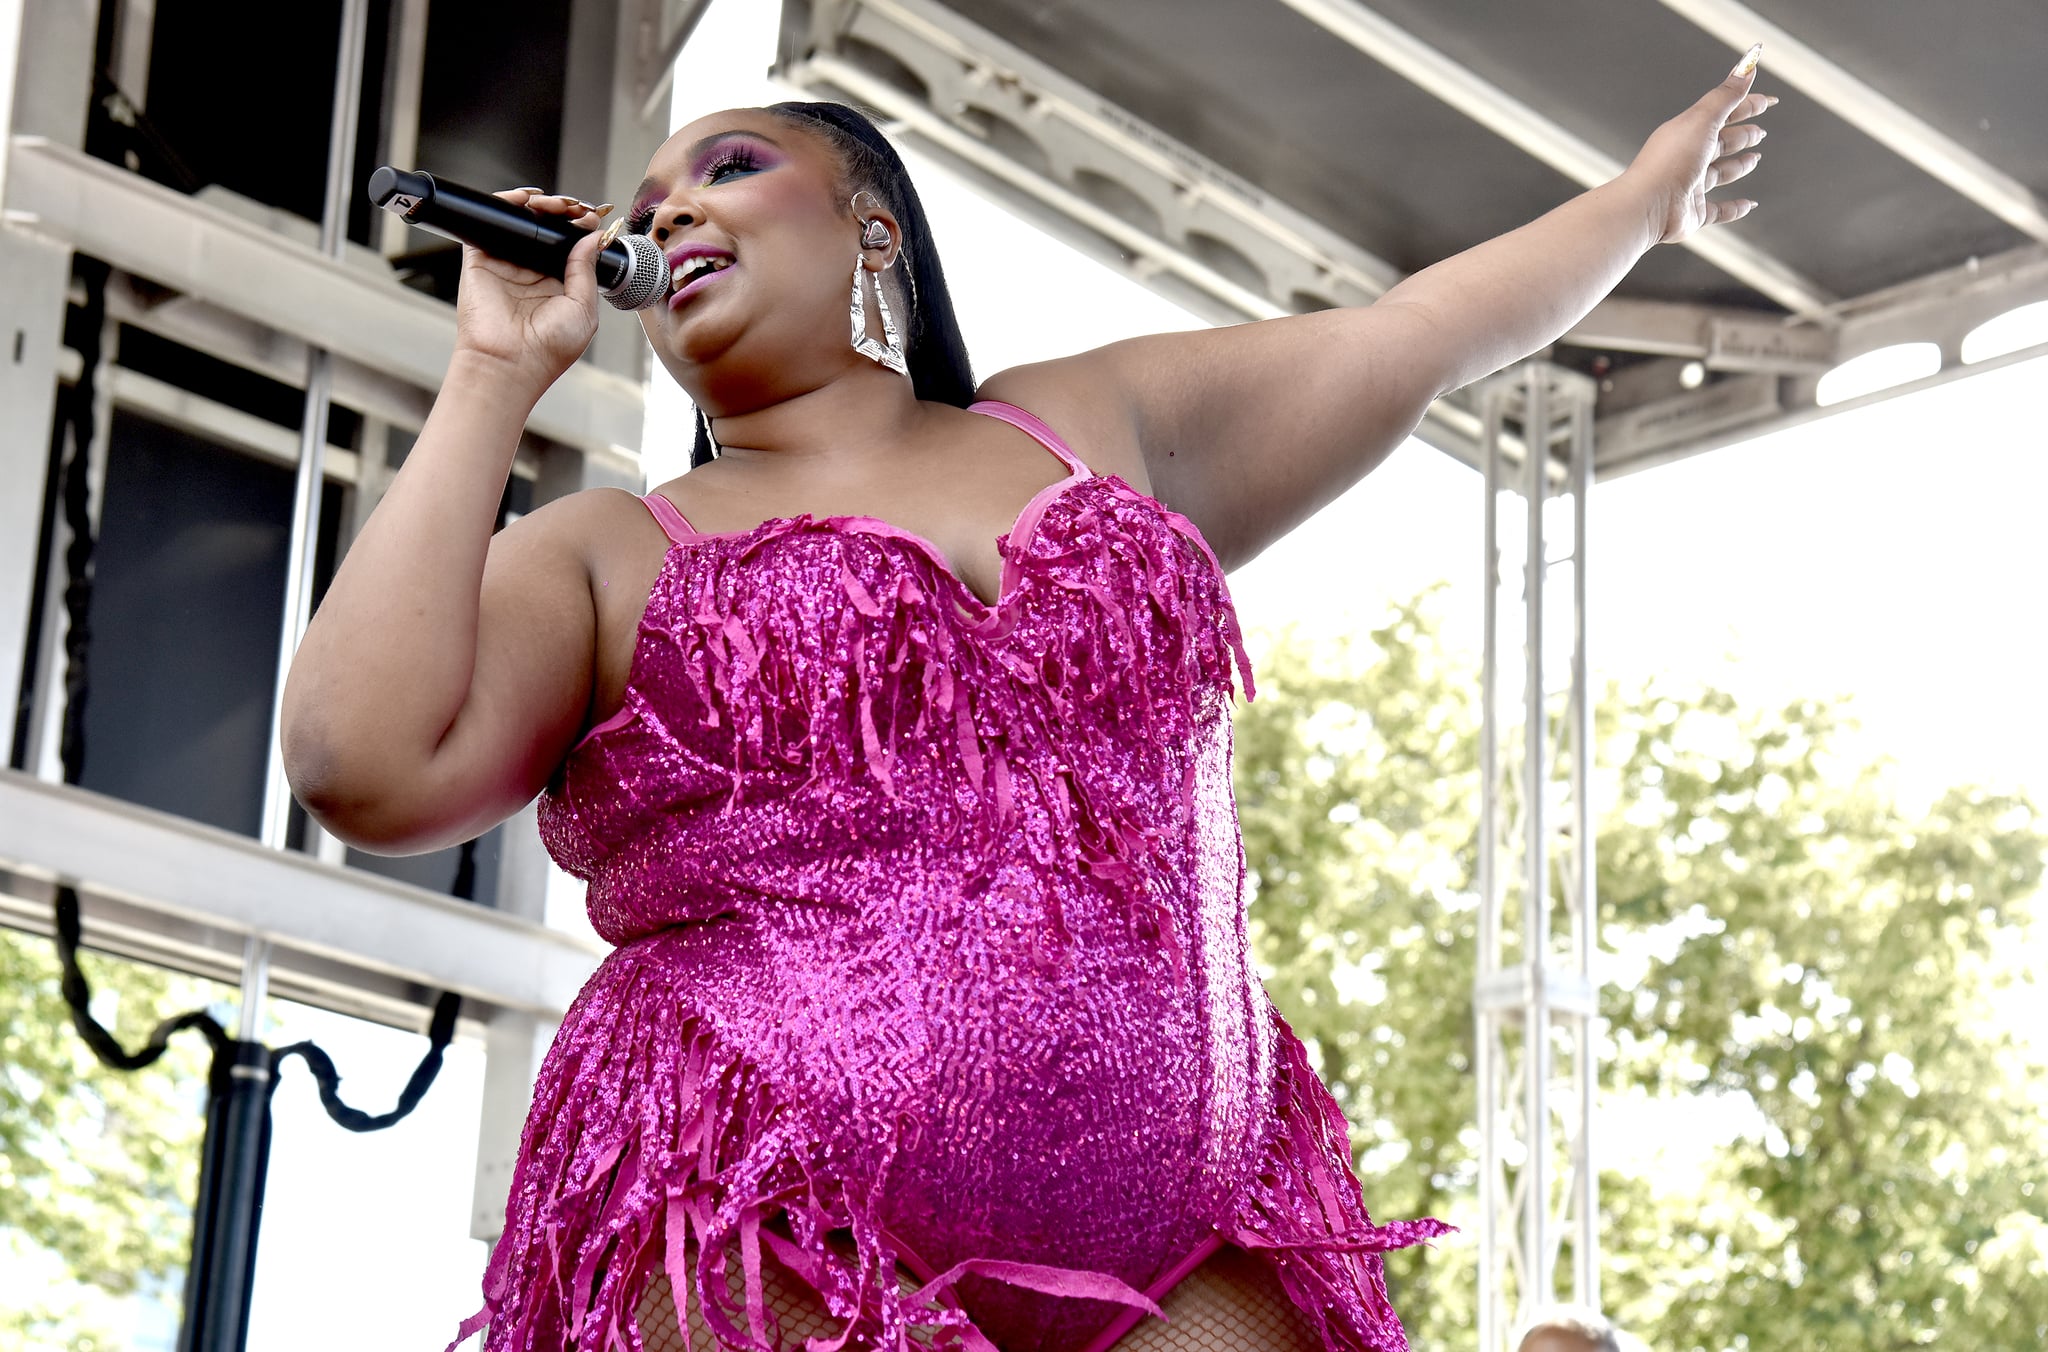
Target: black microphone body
631, 270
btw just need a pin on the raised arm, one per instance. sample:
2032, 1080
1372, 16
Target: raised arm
447, 669
1248, 430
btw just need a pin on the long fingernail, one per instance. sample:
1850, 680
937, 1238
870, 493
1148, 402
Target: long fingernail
604, 210
1770, 101
1748, 61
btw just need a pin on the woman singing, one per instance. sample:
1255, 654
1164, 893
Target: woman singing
893, 743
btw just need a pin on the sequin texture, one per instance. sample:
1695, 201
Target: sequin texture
931, 932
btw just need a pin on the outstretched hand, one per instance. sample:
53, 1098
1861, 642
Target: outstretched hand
1705, 146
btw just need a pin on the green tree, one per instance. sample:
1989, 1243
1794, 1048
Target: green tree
1831, 960
98, 1169
1357, 782
1800, 948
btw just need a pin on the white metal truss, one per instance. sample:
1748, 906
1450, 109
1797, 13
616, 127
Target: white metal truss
1014, 123
1542, 137
65, 196
153, 883
1826, 82
1723, 337
254, 347
1534, 998
1647, 418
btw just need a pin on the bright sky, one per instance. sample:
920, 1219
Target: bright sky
1892, 553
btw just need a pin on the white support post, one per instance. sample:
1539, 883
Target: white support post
45, 87
1534, 999
515, 1040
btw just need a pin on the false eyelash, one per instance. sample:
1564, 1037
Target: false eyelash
738, 156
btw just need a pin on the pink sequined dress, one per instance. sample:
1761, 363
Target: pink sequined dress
931, 951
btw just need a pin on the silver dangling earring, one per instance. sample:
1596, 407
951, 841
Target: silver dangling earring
889, 352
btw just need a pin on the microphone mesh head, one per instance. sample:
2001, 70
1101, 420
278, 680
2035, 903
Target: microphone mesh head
646, 279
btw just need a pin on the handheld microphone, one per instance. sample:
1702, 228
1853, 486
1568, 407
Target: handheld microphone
632, 272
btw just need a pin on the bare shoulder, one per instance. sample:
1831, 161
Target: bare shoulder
597, 534
1077, 397
575, 550
575, 576
574, 517
580, 531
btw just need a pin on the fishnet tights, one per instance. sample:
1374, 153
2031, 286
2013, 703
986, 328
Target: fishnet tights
1232, 1303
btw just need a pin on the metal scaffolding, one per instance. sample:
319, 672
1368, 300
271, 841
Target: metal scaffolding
291, 301
1534, 998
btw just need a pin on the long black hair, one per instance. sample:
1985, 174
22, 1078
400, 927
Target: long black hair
931, 334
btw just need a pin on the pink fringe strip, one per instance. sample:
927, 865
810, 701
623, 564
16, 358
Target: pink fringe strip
1303, 1208
711, 1161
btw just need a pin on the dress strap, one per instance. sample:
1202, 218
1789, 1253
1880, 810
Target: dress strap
673, 523
1029, 424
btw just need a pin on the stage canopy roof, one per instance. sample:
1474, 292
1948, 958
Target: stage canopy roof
1256, 157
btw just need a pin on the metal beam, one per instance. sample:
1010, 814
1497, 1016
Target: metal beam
404, 73
73, 199
196, 948
1942, 307
1018, 126
1181, 184
1729, 409
1723, 337
216, 422
1713, 416
202, 876
928, 127
657, 77
1447, 425
12, 17
1805, 68
1648, 419
259, 348
245, 343
1526, 128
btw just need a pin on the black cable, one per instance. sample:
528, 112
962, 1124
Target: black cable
464, 885
77, 993
123, 119
76, 412
354, 1119
76, 416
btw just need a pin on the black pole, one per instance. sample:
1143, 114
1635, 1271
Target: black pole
229, 1209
